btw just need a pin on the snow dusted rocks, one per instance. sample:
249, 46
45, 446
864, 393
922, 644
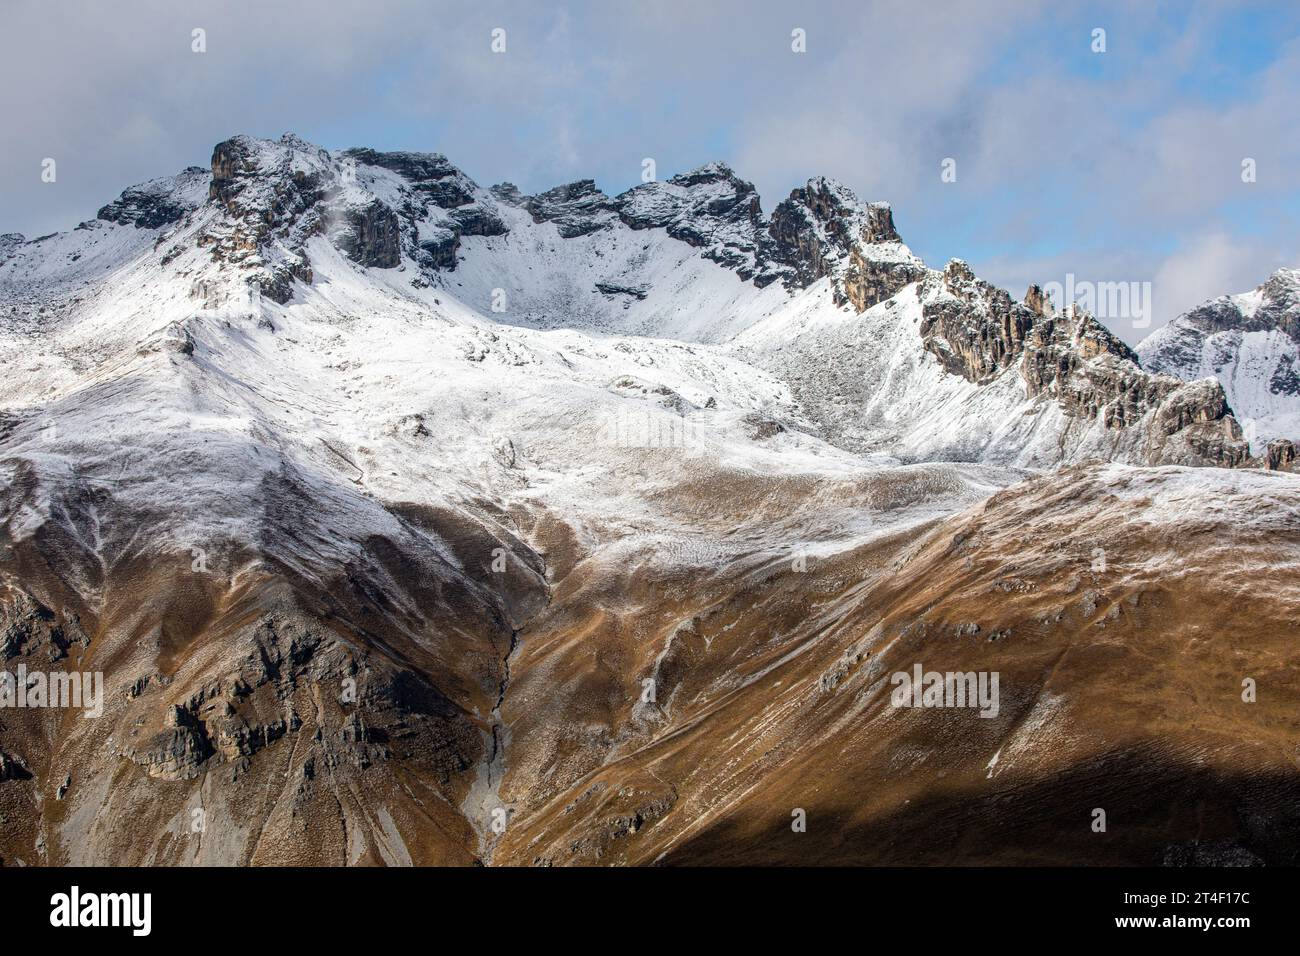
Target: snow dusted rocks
823, 230
820, 230
1273, 305
375, 207
576, 208
974, 329
1250, 343
977, 331
426, 209
373, 236
270, 193
159, 202
709, 208
694, 258
9, 244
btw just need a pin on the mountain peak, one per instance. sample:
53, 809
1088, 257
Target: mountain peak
1249, 342
709, 172
1273, 304
1280, 296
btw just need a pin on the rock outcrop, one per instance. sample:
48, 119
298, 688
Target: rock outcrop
577, 208
270, 193
710, 208
1280, 455
823, 230
9, 244
29, 628
977, 331
373, 236
154, 204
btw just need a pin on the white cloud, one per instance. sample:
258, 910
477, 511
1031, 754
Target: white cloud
1107, 167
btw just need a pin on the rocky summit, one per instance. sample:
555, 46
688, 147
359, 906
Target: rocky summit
412, 521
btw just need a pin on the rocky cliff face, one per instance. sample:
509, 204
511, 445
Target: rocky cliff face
271, 196
820, 230
823, 230
373, 236
977, 331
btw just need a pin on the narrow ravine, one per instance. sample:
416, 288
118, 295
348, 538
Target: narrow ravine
482, 805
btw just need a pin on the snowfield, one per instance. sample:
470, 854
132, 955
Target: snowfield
577, 359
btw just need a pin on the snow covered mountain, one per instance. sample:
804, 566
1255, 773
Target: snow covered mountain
1250, 343
880, 352
377, 496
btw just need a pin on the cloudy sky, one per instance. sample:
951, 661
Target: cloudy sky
1115, 166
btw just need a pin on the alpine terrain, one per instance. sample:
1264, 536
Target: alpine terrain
410, 521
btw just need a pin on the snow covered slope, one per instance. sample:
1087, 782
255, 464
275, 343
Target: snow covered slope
820, 311
375, 329
1249, 343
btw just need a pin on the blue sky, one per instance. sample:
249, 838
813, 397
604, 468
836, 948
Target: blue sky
1115, 166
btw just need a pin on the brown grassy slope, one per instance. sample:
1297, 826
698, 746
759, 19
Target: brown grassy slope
1120, 690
